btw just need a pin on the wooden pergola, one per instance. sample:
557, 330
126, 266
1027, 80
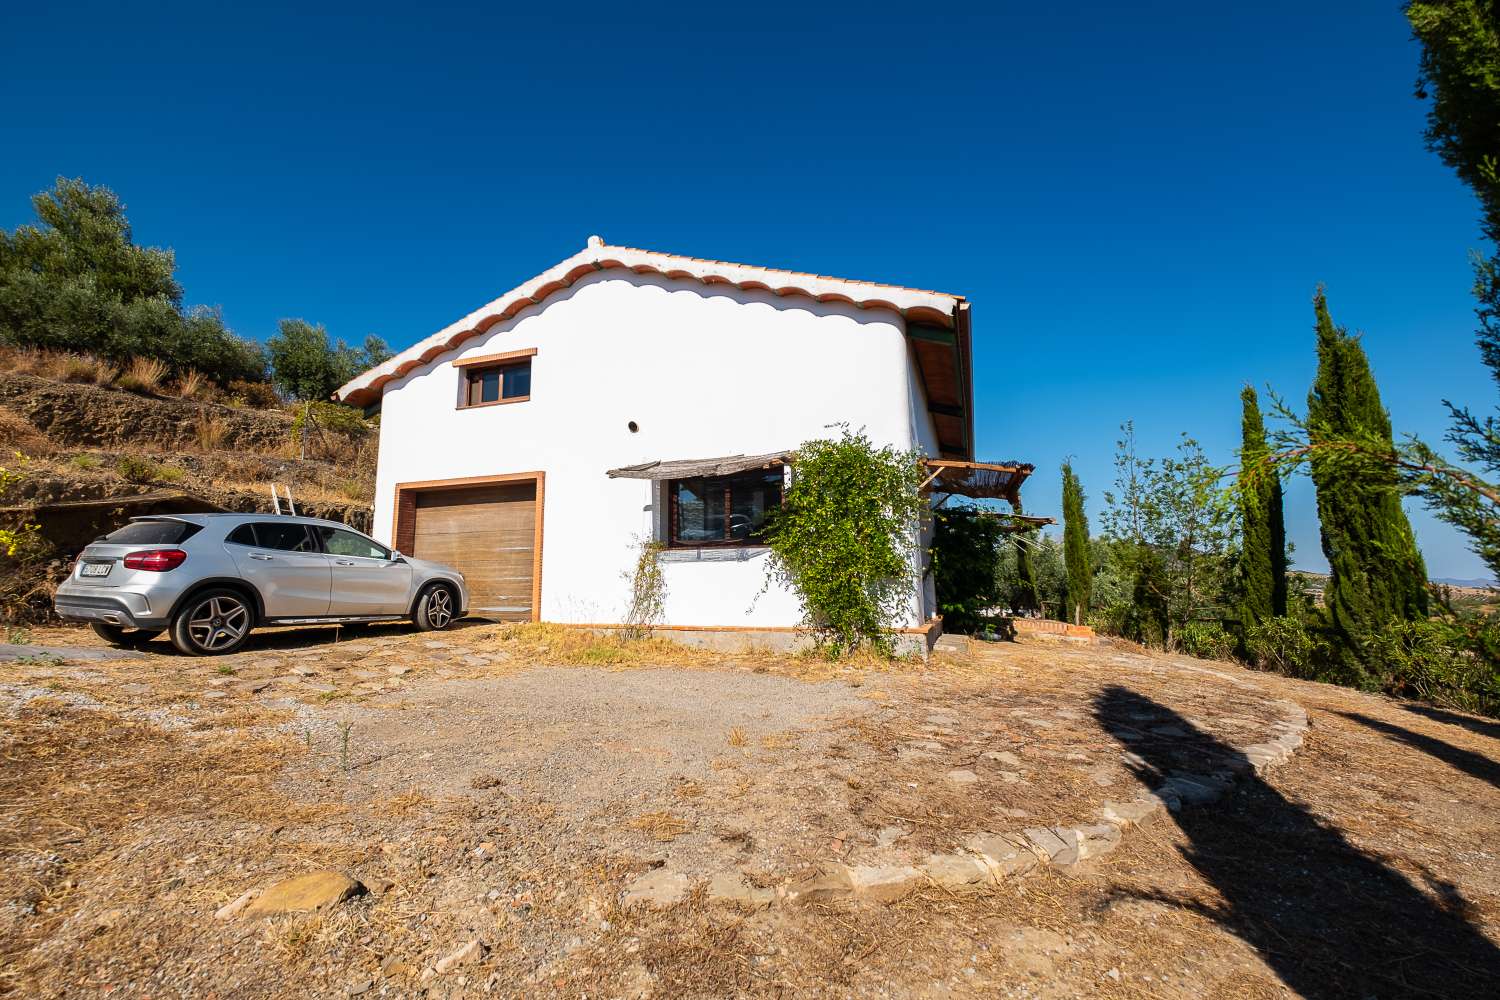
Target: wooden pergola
977, 480
985, 481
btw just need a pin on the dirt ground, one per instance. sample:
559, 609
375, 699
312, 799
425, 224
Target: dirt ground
506, 784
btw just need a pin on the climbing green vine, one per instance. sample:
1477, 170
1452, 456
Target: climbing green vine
648, 591
846, 538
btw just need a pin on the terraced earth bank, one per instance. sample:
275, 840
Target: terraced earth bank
84, 458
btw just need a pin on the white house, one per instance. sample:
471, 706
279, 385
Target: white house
624, 395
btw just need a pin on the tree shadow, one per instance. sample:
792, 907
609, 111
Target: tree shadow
1480, 726
1330, 919
1467, 761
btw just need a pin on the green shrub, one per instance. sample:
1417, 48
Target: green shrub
331, 417
845, 539
86, 461
1435, 661
137, 469
965, 547
355, 489
1287, 644
1206, 640
261, 395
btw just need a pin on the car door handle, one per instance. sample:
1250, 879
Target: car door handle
261, 556
345, 562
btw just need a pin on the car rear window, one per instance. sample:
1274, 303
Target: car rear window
152, 533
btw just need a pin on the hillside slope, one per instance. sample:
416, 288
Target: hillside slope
84, 458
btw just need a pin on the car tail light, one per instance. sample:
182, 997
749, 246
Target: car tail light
155, 560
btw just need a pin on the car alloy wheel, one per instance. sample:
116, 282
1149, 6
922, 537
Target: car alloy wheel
439, 607
218, 623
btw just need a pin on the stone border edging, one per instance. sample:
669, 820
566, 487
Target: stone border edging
991, 857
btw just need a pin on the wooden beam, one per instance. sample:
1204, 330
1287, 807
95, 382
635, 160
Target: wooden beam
932, 334
937, 470
945, 409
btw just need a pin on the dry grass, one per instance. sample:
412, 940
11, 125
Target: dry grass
737, 737
777, 741
564, 645
62, 366
78, 783
303, 492
19, 434
210, 430
662, 826
83, 369
21, 360
192, 384
144, 376
560, 644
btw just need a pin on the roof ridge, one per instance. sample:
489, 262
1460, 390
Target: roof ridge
778, 270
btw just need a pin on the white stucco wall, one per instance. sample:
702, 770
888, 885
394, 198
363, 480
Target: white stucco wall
703, 371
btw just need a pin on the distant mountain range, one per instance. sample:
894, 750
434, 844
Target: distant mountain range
1474, 584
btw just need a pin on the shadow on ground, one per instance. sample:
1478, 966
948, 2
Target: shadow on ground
1467, 761
1329, 919
1481, 726
272, 640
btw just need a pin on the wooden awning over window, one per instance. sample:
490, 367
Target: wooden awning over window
691, 468
978, 480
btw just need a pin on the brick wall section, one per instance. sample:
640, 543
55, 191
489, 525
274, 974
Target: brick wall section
1033, 626
405, 533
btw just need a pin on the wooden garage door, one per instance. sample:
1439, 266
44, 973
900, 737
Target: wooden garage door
488, 533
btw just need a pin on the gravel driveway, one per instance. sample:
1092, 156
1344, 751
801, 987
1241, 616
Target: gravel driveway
582, 738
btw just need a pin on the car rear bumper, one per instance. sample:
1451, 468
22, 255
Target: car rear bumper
122, 608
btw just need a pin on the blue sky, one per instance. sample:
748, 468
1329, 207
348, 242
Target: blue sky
1138, 199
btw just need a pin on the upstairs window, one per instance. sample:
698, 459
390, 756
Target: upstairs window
500, 378
722, 510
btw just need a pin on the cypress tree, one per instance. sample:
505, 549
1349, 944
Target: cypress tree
1075, 547
1263, 556
1026, 597
1376, 574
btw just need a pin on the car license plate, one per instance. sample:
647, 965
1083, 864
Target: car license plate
96, 569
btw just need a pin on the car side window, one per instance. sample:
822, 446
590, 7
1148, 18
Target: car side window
338, 542
243, 535
284, 537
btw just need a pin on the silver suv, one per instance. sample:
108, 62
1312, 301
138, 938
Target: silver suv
210, 578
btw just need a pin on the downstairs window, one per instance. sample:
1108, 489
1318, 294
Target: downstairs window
722, 510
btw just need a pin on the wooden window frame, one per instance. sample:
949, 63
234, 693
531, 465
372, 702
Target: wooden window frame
672, 540
469, 367
404, 518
